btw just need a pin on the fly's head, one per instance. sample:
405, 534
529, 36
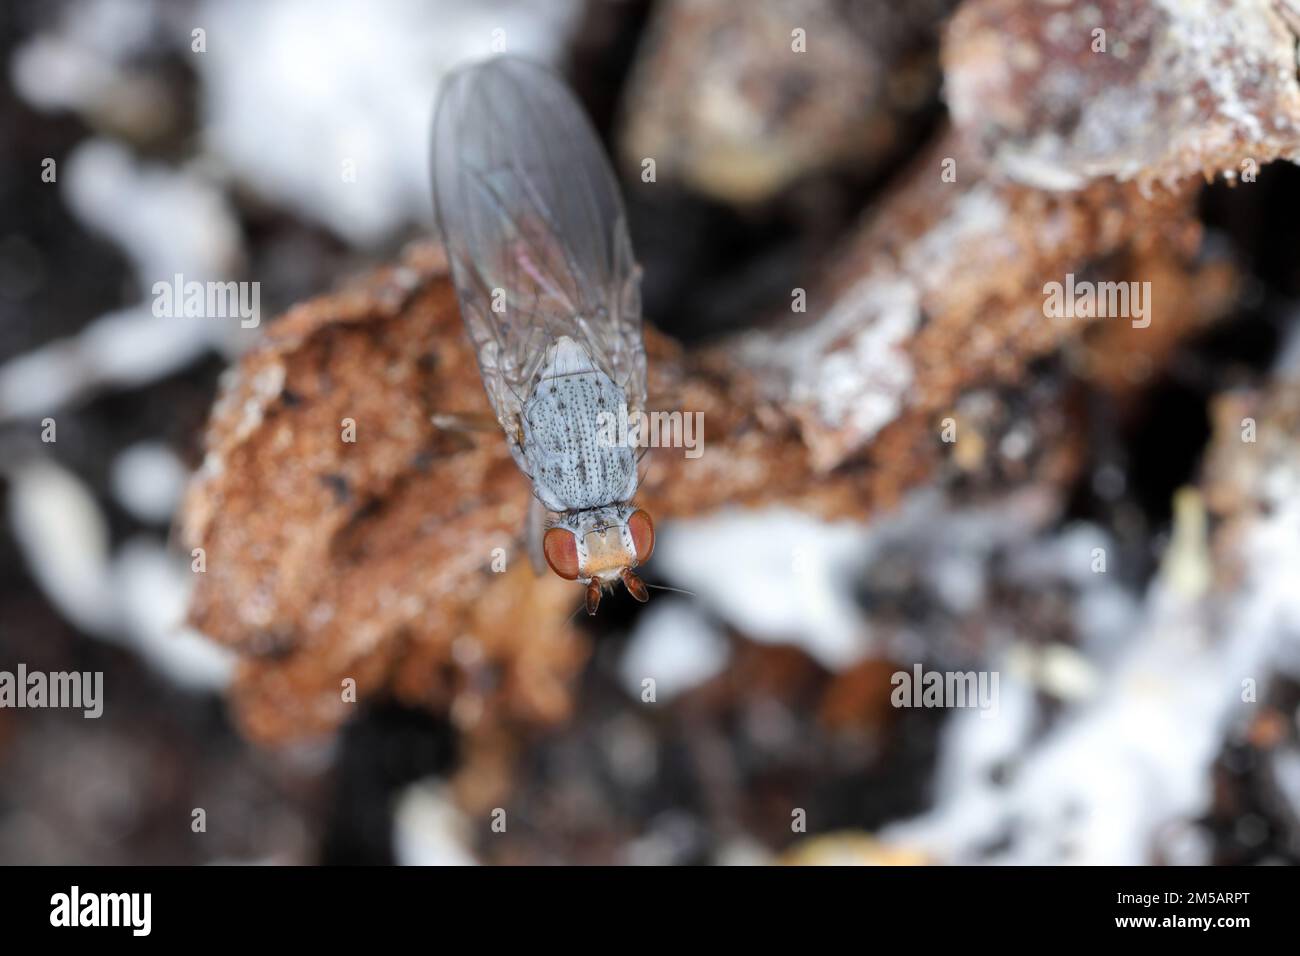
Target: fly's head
599, 547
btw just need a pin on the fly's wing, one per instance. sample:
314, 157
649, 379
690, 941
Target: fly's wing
535, 231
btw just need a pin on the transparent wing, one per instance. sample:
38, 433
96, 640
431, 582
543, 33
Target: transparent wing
535, 230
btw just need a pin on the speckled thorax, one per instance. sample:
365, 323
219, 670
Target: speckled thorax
573, 464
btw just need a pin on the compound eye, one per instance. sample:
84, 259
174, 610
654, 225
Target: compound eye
561, 550
643, 535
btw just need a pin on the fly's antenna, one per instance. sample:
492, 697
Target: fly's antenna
664, 587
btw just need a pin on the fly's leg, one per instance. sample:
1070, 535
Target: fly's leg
469, 423
464, 422
533, 533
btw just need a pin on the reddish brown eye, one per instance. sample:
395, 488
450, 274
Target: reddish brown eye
561, 550
643, 535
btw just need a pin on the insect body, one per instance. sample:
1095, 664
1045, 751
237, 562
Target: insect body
537, 241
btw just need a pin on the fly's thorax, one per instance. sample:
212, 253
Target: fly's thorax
571, 459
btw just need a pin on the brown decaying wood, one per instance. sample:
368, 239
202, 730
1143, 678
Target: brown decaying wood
373, 560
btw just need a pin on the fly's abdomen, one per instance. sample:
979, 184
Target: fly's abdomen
575, 434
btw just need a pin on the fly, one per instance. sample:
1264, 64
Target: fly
538, 245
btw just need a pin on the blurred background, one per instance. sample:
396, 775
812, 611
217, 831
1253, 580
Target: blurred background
1122, 732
